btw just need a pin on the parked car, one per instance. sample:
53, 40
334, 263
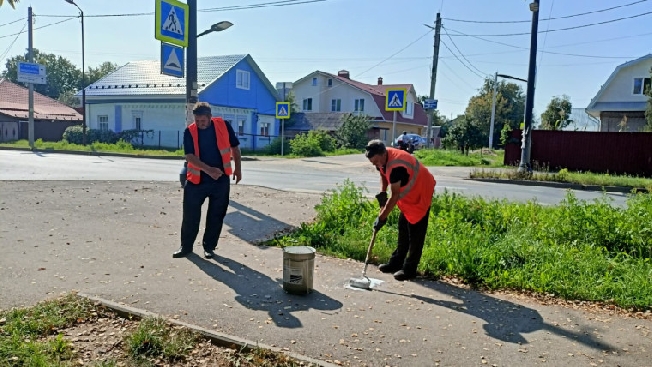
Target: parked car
415, 142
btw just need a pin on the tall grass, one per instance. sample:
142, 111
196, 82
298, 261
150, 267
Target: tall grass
577, 250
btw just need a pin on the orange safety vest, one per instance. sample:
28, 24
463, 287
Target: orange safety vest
193, 173
415, 197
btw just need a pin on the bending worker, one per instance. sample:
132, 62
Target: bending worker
412, 187
209, 144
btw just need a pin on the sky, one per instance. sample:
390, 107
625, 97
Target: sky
369, 38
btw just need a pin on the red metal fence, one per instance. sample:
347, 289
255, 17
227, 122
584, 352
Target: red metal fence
599, 152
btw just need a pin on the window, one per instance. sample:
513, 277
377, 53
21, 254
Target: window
314, 81
242, 79
330, 82
137, 118
103, 122
241, 127
264, 129
641, 85
359, 105
307, 104
409, 108
336, 105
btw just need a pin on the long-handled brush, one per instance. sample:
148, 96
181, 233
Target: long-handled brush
364, 282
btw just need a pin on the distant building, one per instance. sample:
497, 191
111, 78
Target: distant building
51, 117
137, 96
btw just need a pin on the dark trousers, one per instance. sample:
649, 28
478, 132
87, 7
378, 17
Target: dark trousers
411, 238
194, 196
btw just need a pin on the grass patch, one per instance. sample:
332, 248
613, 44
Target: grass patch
581, 178
577, 250
453, 158
119, 147
43, 336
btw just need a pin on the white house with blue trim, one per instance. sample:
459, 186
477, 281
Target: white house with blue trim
138, 96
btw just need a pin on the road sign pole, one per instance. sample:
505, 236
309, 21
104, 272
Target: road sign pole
30, 58
283, 125
393, 128
191, 62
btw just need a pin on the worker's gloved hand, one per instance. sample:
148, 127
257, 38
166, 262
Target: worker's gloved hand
379, 223
382, 199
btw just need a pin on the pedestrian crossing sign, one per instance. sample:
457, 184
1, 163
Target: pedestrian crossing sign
172, 22
282, 110
395, 99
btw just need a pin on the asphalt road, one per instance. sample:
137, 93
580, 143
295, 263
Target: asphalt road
305, 175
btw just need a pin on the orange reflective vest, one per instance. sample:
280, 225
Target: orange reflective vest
415, 197
193, 173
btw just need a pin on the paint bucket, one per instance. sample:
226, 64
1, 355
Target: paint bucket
298, 269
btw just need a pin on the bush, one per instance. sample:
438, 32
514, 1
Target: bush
274, 148
312, 144
75, 135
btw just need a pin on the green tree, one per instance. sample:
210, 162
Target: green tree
557, 114
510, 107
69, 99
95, 74
11, 3
353, 133
62, 75
464, 135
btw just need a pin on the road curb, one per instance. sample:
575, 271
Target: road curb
217, 338
563, 185
108, 154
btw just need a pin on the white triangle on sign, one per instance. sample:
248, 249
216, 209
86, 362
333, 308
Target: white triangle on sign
395, 102
282, 111
173, 62
172, 23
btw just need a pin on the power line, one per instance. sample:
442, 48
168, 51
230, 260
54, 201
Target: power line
548, 52
10, 23
41, 27
462, 62
461, 54
563, 29
545, 19
208, 10
6, 52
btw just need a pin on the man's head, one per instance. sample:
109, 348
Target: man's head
202, 112
376, 152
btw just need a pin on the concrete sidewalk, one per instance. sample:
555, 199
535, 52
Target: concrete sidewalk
115, 240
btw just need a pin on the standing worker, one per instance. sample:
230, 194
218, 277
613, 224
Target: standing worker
209, 144
412, 187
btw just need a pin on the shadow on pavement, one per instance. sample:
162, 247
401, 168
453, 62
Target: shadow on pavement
251, 225
256, 291
504, 320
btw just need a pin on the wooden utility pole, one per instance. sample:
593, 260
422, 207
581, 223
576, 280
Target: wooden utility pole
529, 98
433, 75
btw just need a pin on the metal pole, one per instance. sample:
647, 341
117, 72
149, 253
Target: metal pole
30, 58
191, 67
529, 99
493, 112
83, 79
433, 76
283, 124
393, 129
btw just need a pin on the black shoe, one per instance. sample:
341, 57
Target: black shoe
401, 275
181, 252
389, 268
209, 254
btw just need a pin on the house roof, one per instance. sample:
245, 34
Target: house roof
15, 103
317, 121
138, 78
377, 92
595, 106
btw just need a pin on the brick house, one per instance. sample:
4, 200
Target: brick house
51, 117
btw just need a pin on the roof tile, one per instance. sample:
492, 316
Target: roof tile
15, 103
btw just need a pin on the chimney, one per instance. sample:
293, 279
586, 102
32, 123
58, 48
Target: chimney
380, 81
344, 74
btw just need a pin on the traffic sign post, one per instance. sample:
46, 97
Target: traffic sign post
395, 100
31, 73
172, 22
172, 60
282, 113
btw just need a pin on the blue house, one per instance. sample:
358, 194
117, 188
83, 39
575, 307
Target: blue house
137, 96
